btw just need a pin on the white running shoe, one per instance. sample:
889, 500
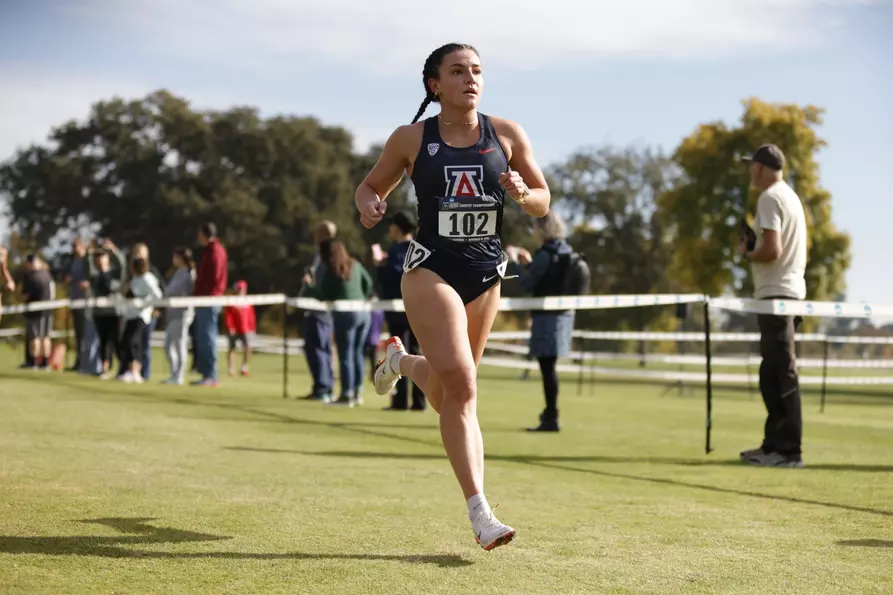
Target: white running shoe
385, 376
489, 532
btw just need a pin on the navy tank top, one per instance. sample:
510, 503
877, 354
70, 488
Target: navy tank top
460, 200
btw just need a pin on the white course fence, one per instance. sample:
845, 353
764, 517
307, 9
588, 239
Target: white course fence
592, 362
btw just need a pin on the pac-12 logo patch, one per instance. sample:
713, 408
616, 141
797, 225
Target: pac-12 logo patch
464, 180
432, 148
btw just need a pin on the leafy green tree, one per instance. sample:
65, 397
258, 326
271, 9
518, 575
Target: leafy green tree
153, 169
609, 195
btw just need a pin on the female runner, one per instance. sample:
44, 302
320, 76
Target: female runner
462, 164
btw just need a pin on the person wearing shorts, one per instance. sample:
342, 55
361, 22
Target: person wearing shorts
463, 164
241, 324
37, 286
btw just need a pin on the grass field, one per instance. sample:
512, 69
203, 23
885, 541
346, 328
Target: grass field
112, 488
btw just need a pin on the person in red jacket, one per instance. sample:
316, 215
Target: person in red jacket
210, 280
241, 325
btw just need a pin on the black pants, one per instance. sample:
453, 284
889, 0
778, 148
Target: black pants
78, 318
132, 349
780, 385
108, 329
401, 399
550, 387
194, 366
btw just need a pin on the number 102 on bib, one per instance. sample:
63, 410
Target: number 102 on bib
467, 225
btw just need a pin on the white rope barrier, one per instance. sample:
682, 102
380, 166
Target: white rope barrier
695, 337
803, 308
698, 359
675, 376
120, 303
586, 302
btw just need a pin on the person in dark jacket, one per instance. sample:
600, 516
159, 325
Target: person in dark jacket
551, 331
37, 286
75, 278
108, 273
401, 230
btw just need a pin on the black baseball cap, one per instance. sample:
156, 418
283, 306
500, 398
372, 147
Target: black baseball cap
405, 220
768, 155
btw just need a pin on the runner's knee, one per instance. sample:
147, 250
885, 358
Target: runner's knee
459, 383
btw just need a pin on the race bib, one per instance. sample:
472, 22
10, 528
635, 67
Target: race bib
416, 254
502, 267
466, 219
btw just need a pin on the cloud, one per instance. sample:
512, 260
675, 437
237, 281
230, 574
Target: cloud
391, 35
34, 101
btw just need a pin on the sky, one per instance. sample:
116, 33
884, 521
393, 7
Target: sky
572, 73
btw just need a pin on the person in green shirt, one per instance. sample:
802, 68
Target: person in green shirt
344, 278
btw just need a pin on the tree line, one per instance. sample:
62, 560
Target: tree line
152, 169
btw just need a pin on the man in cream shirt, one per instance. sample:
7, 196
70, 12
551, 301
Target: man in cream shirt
777, 249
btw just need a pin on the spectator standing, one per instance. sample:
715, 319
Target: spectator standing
141, 251
37, 286
76, 278
777, 249
107, 274
317, 327
6, 281
211, 280
143, 285
178, 320
401, 230
343, 278
551, 332
241, 325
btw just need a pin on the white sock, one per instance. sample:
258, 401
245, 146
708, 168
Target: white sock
476, 503
395, 362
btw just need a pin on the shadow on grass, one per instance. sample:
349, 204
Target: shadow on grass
867, 543
589, 459
138, 393
549, 463
145, 534
546, 462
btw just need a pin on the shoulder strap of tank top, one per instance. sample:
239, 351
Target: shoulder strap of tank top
431, 133
487, 127
490, 133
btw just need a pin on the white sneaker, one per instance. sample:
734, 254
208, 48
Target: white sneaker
385, 376
489, 532
126, 378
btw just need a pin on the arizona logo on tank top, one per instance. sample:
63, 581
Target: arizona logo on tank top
460, 200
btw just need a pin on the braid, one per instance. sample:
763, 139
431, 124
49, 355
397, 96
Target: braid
425, 103
431, 70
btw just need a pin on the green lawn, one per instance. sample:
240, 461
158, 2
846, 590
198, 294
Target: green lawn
112, 488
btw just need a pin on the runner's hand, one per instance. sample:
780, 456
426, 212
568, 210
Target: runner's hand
372, 212
513, 184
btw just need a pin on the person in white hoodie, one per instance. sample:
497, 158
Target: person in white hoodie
177, 320
143, 285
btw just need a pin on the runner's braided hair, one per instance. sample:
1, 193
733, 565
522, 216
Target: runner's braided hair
431, 70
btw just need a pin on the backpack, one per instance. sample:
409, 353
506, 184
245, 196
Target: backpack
568, 274
577, 276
